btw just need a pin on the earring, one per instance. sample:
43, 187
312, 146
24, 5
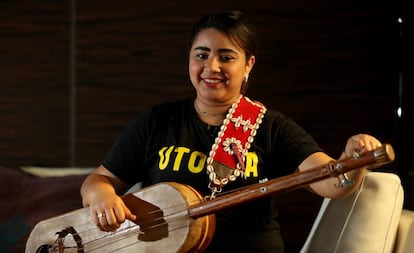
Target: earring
246, 78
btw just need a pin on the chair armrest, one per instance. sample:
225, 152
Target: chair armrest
366, 221
405, 234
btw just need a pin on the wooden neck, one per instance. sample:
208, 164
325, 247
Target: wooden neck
372, 159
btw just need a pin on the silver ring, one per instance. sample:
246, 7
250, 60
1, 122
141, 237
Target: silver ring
100, 215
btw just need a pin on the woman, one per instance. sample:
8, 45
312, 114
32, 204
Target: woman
160, 144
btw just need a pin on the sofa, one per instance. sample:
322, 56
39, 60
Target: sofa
32, 194
372, 220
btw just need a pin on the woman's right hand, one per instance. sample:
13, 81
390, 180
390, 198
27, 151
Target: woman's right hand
99, 191
109, 211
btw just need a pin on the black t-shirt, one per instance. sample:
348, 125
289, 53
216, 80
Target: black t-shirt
170, 143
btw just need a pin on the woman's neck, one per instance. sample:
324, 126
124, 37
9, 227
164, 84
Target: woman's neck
211, 114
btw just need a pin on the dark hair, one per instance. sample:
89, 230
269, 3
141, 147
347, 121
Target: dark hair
231, 23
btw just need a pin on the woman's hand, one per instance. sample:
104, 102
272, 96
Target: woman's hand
329, 187
360, 143
109, 211
100, 192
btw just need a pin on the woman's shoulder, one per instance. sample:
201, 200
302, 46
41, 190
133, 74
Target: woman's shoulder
274, 116
281, 123
158, 117
164, 110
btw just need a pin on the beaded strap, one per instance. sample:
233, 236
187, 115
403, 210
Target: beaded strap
227, 156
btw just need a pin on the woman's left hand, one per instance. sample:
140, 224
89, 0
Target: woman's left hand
360, 143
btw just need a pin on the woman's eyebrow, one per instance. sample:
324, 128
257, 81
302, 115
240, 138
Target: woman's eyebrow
227, 50
221, 50
203, 49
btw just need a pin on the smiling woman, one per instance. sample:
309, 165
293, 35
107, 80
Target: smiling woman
218, 69
221, 58
171, 142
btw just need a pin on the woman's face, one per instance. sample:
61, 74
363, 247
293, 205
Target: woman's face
217, 67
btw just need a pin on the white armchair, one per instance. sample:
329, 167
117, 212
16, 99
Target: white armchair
371, 220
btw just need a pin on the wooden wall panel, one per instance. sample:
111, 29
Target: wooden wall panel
331, 68
131, 56
328, 65
34, 72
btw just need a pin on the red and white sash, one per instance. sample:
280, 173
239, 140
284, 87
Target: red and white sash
227, 156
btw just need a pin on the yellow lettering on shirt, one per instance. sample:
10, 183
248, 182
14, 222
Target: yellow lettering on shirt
196, 162
180, 153
251, 165
165, 153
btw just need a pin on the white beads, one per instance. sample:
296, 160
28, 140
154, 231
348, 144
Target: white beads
237, 143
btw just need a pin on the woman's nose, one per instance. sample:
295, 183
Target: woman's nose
213, 64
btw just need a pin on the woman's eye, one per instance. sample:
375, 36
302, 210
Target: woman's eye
226, 58
201, 56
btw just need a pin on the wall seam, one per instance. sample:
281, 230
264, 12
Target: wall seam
72, 83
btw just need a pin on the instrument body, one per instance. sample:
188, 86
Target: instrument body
173, 217
183, 233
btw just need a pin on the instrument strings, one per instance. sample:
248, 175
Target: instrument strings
134, 229
126, 245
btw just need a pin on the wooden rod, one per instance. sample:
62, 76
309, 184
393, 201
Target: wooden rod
371, 159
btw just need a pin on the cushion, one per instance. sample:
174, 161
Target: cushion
27, 199
405, 234
366, 221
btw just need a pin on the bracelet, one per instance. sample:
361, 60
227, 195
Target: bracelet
345, 181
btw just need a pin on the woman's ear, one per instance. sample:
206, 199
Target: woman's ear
249, 64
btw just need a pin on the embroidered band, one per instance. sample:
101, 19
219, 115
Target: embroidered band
227, 156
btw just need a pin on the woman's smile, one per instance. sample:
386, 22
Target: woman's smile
217, 67
213, 82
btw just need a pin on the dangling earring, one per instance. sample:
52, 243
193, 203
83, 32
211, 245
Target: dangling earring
246, 78
243, 87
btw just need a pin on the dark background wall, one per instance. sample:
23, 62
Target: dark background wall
74, 73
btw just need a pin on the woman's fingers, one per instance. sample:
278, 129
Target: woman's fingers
360, 143
127, 214
109, 217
